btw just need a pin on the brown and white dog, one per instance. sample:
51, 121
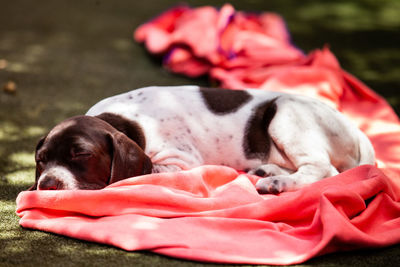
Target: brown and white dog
289, 140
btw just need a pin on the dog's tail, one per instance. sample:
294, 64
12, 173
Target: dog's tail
367, 153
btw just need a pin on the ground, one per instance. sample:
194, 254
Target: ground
59, 57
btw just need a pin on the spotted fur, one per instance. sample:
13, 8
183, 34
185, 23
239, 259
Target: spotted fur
291, 140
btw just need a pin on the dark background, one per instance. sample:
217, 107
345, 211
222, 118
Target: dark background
59, 57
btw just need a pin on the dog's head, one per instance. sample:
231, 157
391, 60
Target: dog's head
86, 152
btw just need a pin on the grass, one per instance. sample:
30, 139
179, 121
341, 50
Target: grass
64, 56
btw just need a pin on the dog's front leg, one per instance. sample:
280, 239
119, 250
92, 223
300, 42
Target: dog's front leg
158, 168
174, 160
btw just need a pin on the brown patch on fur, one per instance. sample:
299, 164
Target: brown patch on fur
222, 101
257, 142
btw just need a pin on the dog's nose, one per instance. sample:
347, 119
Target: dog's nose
50, 183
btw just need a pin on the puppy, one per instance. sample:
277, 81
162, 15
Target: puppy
288, 140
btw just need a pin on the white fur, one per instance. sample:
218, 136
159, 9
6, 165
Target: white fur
59, 172
182, 133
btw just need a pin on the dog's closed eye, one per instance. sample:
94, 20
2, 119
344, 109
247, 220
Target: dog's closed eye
79, 154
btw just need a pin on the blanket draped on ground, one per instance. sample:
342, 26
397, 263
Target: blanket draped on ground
214, 213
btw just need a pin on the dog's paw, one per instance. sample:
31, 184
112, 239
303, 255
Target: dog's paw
274, 179
268, 170
275, 184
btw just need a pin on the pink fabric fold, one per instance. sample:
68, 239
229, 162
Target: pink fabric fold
214, 213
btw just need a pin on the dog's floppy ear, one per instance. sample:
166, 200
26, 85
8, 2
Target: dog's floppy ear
128, 159
38, 146
129, 127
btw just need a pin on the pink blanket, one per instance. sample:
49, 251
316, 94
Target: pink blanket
214, 213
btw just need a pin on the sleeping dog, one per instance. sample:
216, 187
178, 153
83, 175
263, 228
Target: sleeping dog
288, 140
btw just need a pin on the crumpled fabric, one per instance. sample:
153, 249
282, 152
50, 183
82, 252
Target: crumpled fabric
214, 213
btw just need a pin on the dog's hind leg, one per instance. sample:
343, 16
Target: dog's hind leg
296, 133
